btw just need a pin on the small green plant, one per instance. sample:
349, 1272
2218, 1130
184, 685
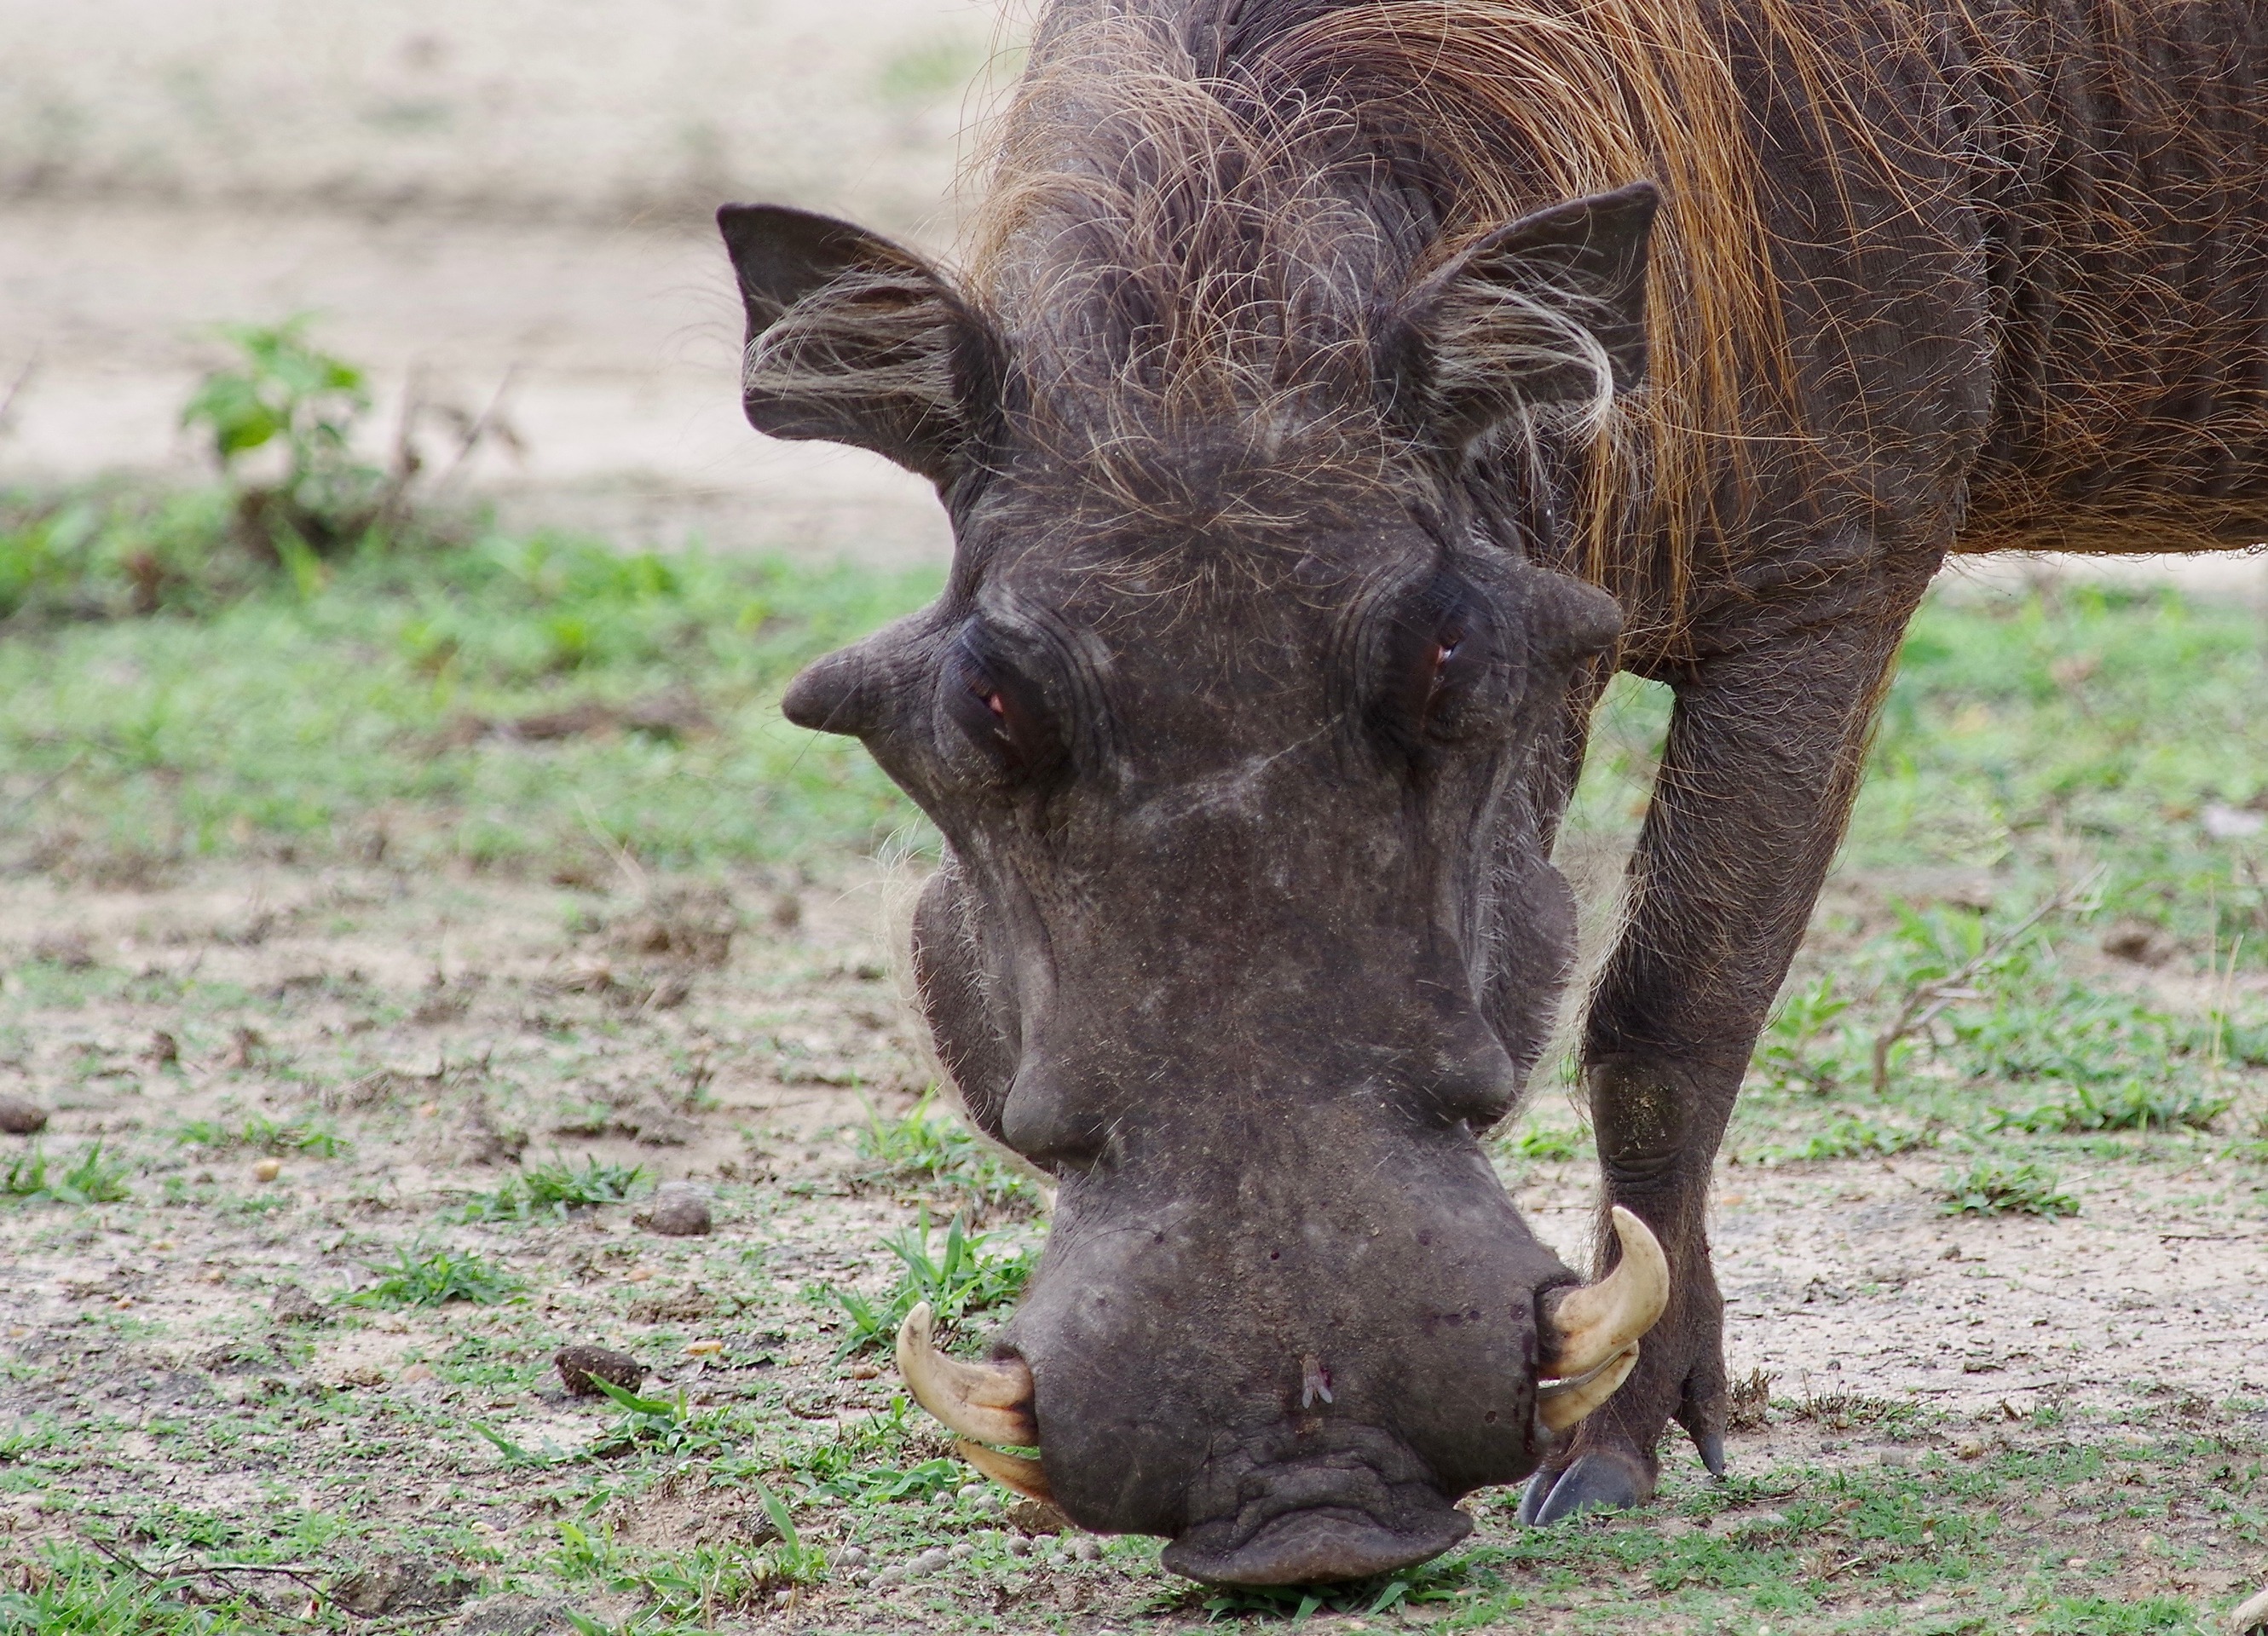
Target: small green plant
1854, 1138
32, 1177
1806, 1047
1990, 1188
1541, 1143
791, 1561
554, 1189
264, 1135
435, 1279
663, 1423
2130, 1106
929, 1148
282, 391
75, 1592
960, 1280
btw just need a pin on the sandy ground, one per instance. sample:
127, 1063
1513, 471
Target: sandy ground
425, 1019
1838, 1276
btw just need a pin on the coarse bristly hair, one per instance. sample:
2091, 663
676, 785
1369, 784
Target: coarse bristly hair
1198, 219
1199, 215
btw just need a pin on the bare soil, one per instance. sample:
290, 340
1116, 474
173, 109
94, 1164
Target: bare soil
442, 1025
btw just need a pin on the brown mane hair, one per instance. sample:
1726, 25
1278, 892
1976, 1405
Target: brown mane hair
1197, 215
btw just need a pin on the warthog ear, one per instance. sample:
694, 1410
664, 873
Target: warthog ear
1550, 310
852, 338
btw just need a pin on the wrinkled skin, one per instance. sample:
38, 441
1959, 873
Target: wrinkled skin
1208, 950
1247, 929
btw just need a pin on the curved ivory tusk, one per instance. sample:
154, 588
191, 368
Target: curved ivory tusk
1592, 1325
987, 1403
1561, 1404
1010, 1470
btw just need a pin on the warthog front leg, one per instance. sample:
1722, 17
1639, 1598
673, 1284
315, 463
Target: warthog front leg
1763, 755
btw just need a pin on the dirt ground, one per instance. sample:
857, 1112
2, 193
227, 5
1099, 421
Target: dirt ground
439, 1026
503, 204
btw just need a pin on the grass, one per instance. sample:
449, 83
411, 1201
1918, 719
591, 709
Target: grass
928, 1150
553, 1190
2053, 750
263, 1135
434, 1278
1993, 1186
377, 711
32, 1178
962, 1278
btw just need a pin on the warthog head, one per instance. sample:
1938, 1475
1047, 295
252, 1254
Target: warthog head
1247, 931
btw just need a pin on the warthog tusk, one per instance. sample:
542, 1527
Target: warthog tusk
1589, 1325
987, 1403
1560, 1404
1010, 1470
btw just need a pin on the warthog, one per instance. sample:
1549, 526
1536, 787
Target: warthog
1333, 395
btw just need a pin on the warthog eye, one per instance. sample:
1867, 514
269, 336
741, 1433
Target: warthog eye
1003, 714
1438, 654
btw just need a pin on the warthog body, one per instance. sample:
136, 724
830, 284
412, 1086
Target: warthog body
1324, 413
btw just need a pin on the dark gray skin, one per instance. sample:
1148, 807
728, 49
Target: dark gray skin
1247, 927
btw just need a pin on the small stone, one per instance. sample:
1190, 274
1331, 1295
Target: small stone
579, 1366
960, 1553
704, 1349
889, 1576
679, 1210
1035, 1516
413, 1374
1020, 1545
294, 1305
970, 1490
852, 1557
1088, 1549
19, 1118
1968, 1448
928, 1562
268, 1169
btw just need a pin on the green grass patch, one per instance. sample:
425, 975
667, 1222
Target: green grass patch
961, 1277
1992, 1186
928, 1149
263, 1135
551, 1191
33, 1177
434, 1278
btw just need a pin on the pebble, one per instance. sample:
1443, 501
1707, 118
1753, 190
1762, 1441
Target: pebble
852, 1557
1019, 1546
928, 1562
415, 1373
1968, 1448
268, 1169
1088, 1549
19, 1118
680, 1210
960, 1553
577, 1365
